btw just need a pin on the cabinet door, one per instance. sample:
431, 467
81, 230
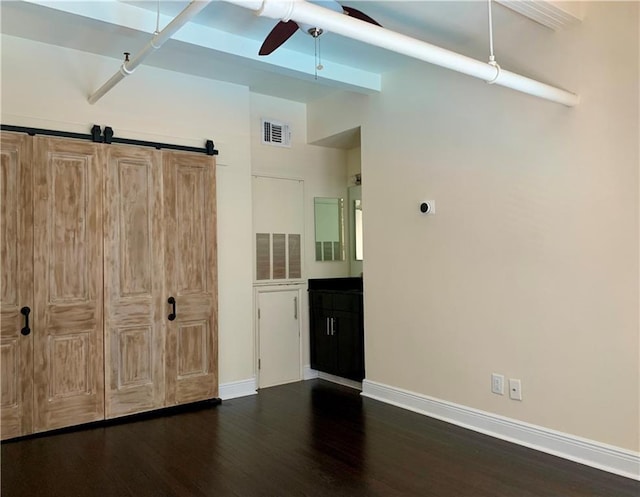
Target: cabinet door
16, 291
323, 344
349, 335
279, 337
133, 281
349, 343
191, 277
67, 325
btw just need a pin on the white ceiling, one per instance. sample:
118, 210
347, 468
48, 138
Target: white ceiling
223, 40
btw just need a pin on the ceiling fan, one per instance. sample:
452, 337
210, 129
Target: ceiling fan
285, 30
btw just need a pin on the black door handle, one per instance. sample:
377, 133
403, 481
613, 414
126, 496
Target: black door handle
172, 301
25, 311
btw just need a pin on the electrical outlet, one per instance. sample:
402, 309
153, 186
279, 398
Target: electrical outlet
515, 389
497, 383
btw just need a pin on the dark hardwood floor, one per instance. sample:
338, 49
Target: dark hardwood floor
304, 439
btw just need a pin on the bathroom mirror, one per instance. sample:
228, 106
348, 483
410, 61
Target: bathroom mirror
329, 227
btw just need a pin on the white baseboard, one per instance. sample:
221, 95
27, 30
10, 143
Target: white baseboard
312, 374
236, 389
308, 373
591, 453
340, 380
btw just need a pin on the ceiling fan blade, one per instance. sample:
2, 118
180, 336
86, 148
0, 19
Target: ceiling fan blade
359, 15
278, 35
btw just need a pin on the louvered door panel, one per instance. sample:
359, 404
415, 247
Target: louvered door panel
68, 327
16, 290
133, 280
191, 277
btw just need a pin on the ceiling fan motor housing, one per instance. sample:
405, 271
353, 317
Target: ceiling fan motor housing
286, 28
316, 31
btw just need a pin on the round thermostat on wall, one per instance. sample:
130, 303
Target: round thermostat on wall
427, 207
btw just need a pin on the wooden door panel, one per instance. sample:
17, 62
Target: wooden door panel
68, 326
9, 229
191, 228
69, 372
191, 277
16, 413
9, 364
133, 190
135, 357
133, 279
16, 284
193, 349
68, 241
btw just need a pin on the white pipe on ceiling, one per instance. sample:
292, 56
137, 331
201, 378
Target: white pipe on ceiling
301, 11
189, 12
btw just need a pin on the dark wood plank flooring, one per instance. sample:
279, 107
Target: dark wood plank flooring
310, 438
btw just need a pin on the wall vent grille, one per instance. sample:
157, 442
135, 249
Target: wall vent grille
278, 256
276, 133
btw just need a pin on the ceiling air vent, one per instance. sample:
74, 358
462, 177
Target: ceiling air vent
554, 14
276, 133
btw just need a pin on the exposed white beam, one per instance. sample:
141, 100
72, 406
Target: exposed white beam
128, 66
305, 12
284, 61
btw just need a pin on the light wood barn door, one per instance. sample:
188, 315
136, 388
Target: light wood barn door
133, 281
16, 291
67, 326
191, 277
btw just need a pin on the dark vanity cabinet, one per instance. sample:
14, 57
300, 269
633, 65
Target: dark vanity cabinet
337, 327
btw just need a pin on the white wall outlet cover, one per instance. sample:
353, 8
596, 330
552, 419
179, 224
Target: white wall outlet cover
515, 389
497, 383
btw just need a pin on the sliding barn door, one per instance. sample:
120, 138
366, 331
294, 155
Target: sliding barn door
16, 291
133, 281
191, 278
67, 326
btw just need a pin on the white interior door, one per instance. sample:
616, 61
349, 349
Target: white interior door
279, 337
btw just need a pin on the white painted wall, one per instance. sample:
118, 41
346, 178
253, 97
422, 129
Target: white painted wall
355, 265
530, 266
323, 170
335, 114
47, 87
354, 166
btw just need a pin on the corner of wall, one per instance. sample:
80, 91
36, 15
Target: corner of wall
334, 114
